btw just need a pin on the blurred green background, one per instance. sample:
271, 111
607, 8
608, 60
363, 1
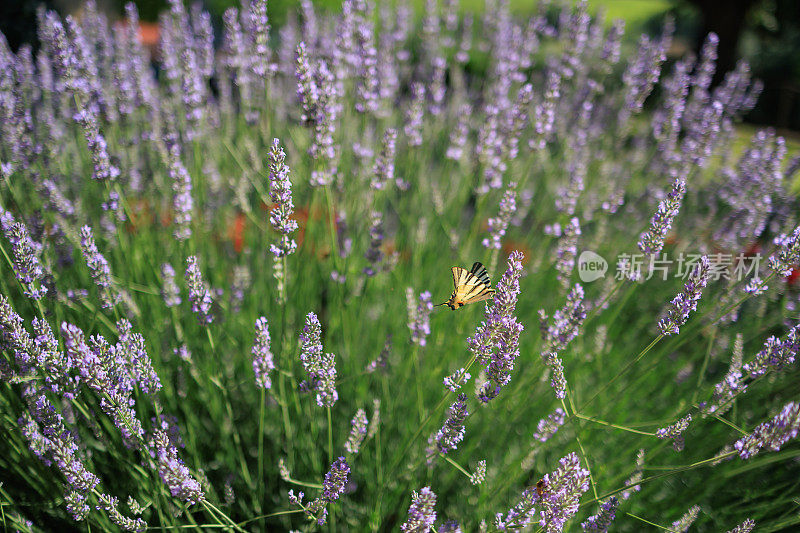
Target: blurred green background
764, 32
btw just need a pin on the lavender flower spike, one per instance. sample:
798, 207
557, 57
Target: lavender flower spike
101, 273
173, 471
675, 432
600, 522
332, 487
358, 431
652, 241
319, 365
383, 171
496, 341
745, 527
682, 524
280, 192
199, 292
419, 322
566, 322
772, 434
547, 427
421, 513
27, 268
775, 355
788, 254
452, 432
335, 480
499, 224
182, 202
262, 356
558, 499
686, 301
170, 291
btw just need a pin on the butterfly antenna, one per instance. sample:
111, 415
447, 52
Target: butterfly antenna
437, 305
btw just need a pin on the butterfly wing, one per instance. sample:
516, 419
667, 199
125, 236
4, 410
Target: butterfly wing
460, 276
484, 294
473, 285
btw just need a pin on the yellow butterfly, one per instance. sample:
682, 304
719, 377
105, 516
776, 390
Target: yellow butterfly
471, 286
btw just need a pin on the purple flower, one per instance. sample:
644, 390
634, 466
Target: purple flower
566, 322
358, 431
318, 95
101, 273
682, 524
643, 71
173, 471
452, 432
545, 112
335, 480
414, 115
240, 284
262, 356
421, 513
437, 85
261, 53
459, 135
675, 432
367, 90
772, 434
419, 321
105, 370
686, 301
776, 354
788, 254
752, 190
567, 251
479, 475
558, 381
636, 477
110, 504
547, 427
745, 527
383, 171
27, 268
374, 254
182, 202
456, 380
496, 340
130, 349
652, 241
280, 192
558, 499
48, 437
320, 366
193, 91
332, 487
169, 290
499, 224
600, 522
199, 292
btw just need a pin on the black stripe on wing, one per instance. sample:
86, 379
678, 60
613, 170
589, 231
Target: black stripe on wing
480, 272
485, 294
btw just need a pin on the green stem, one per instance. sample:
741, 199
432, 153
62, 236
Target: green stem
609, 424
330, 435
261, 416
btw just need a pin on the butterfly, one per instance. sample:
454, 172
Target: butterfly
471, 286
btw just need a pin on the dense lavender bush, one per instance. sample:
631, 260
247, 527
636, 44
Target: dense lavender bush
318, 180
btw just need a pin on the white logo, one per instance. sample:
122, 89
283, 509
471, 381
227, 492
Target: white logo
591, 266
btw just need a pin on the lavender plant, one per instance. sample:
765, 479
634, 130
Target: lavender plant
597, 172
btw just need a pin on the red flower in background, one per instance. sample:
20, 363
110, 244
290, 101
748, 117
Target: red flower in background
794, 276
